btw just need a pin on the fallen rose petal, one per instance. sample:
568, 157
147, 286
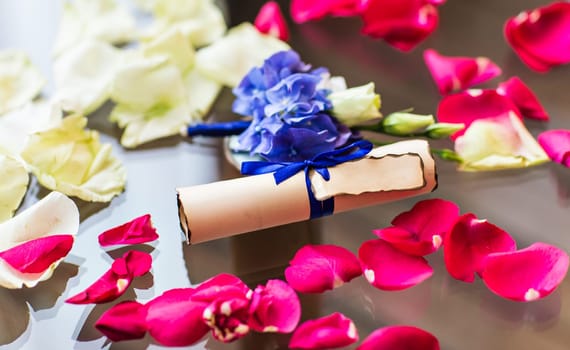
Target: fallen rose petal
274, 307
124, 321
459, 73
467, 106
230, 58
387, 268
523, 97
540, 36
270, 21
71, 159
527, 274
306, 10
14, 181
399, 338
54, 214
498, 143
401, 23
38, 255
421, 230
136, 231
21, 80
116, 280
332, 331
469, 242
556, 143
316, 268
174, 319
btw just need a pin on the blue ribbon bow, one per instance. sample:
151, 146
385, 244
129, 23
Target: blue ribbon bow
320, 163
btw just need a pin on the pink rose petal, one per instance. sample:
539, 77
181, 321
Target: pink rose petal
174, 319
316, 268
333, 331
459, 73
270, 21
401, 23
124, 321
421, 230
540, 36
136, 231
527, 274
226, 306
37, 255
306, 10
116, 280
387, 268
469, 242
468, 106
523, 97
275, 307
399, 338
556, 143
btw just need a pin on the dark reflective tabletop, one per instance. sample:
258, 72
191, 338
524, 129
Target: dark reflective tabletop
532, 204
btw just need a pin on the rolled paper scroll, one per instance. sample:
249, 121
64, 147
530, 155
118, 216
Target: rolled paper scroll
225, 208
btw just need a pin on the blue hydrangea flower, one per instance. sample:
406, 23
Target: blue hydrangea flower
289, 110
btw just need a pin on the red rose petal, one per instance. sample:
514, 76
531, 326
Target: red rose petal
540, 36
333, 331
399, 338
421, 230
136, 231
306, 10
116, 280
37, 255
387, 268
401, 23
523, 98
469, 242
174, 319
527, 274
275, 307
556, 143
124, 321
270, 21
459, 73
316, 268
468, 106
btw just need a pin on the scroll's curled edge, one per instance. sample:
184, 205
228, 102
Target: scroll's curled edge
225, 208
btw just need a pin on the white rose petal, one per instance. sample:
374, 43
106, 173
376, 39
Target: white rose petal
20, 81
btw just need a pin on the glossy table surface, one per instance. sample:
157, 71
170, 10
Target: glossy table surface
532, 204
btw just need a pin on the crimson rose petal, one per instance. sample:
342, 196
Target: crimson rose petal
468, 106
399, 338
124, 321
37, 255
421, 230
316, 268
136, 231
469, 242
174, 319
523, 98
306, 10
459, 73
556, 143
401, 23
270, 21
275, 307
333, 331
540, 36
387, 268
527, 274
116, 280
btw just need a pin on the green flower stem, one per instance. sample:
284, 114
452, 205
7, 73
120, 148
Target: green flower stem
443, 153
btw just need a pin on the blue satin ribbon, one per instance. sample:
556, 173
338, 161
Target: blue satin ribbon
319, 163
218, 129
